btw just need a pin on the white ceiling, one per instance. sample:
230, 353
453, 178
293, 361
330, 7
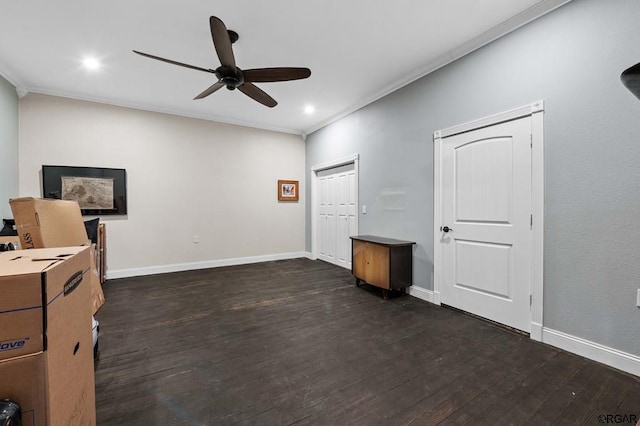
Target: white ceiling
357, 50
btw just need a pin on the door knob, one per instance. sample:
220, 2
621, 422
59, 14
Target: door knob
446, 229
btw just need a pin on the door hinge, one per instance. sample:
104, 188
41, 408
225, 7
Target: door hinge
531, 141
531, 222
531, 300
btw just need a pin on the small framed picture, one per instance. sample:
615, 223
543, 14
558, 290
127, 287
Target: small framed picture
287, 190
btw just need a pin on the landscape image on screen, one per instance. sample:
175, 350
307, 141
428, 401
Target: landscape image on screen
89, 192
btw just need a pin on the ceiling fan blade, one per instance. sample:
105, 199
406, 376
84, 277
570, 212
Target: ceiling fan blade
257, 94
631, 79
266, 75
193, 67
222, 42
214, 87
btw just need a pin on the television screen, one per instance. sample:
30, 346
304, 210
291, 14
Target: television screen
98, 190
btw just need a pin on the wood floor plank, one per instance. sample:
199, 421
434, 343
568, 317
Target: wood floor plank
296, 342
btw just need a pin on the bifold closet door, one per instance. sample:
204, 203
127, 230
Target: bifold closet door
337, 211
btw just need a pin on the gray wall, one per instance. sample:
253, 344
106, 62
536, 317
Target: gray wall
8, 147
572, 59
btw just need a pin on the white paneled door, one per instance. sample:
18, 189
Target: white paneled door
486, 222
337, 214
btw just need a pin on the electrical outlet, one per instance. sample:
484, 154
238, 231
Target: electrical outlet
364, 209
196, 239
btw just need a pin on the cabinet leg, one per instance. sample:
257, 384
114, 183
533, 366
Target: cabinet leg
385, 294
358, 281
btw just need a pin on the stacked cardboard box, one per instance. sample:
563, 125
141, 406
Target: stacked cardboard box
46, 356
43, 223
53, 382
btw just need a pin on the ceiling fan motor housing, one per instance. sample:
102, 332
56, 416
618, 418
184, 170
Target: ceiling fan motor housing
230, 77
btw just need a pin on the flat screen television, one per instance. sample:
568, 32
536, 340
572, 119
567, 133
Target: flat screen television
98, 190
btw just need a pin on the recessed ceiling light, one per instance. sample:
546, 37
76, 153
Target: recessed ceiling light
91, 63
309, 109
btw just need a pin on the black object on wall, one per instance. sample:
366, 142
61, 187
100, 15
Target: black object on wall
631, 79
98, 190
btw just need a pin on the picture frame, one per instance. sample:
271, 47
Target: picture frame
98, 190
288, 190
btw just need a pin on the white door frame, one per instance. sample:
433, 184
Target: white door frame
536, 111
355, 158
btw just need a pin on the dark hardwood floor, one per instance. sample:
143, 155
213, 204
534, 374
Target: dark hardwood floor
295, 342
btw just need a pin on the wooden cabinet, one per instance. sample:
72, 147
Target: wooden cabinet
382, 262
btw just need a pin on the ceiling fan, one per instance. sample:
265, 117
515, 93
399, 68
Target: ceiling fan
230, 75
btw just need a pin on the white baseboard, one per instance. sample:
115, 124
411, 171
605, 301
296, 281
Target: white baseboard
422, 293
536, 332
612, 357
595, 351
178, 267
310, 255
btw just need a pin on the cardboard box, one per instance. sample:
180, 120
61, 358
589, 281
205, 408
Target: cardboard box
30, 282
43, 223
22, 380
44, 399
45, 328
